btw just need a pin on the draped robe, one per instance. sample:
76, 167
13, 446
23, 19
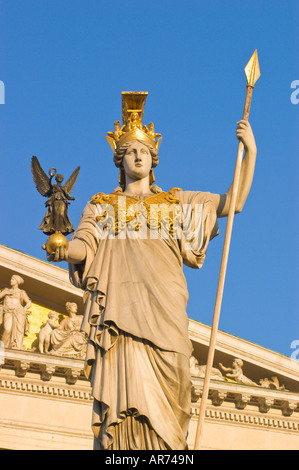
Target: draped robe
14, 321
135, 318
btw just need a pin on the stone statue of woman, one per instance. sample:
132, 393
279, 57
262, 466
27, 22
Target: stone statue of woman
127, 254
67, 339
15, 310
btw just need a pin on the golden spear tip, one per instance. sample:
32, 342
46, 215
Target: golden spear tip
252, 70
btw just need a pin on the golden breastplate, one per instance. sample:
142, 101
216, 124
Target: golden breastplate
117, 211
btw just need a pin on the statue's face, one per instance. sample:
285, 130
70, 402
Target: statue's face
237, 363
13, 281
59, 178
73, 308
137, 161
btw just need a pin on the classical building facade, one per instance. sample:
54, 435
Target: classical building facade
46, 401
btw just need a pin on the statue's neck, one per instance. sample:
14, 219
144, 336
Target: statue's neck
14, 288
138, 187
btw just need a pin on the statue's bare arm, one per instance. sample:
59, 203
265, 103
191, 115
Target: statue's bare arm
26, 300
222, 201
225, 369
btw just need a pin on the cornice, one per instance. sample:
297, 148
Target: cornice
37, 269
245, 350
63, 378
48, 390
242, 397
249, 419
44, 366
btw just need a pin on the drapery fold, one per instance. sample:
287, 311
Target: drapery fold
135, 317
138, 387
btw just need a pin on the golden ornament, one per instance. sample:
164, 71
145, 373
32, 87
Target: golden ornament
56, 240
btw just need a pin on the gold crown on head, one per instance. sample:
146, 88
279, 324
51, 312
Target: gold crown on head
133, 103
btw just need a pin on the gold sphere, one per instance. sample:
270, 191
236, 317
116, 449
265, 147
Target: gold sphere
54, 241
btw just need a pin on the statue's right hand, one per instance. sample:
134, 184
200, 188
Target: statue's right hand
60, 254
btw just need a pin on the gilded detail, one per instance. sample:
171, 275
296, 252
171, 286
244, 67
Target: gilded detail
38, 317
118, 211
132, 129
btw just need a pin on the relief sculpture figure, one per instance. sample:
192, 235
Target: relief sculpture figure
15, 310
44, 337
67, 339
138, 348
236, 372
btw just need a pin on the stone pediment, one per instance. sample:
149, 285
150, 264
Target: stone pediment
259, 363
264, 397
44, 282
259, 409
49, 288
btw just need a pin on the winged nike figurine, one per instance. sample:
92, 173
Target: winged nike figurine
56, 218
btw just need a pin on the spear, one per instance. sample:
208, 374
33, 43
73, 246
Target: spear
252, 72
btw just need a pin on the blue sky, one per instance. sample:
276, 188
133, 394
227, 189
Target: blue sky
64, 64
